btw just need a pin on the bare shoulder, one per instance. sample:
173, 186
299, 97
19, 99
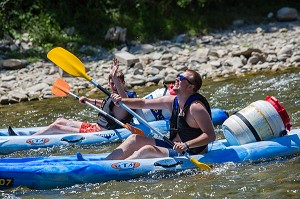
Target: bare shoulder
202, 117
197, 108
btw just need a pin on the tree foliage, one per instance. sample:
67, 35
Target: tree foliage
58, 22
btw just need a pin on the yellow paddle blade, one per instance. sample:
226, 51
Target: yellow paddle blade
68, 62
60, 88
200, 165
134, 130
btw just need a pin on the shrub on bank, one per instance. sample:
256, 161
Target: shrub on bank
73, 22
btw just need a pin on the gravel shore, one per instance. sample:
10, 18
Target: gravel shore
274, 46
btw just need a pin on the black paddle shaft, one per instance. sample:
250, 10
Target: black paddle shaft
106, 92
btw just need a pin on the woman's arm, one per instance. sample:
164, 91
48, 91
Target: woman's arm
95, 102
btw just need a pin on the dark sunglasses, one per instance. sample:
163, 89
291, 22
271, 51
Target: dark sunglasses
181, 77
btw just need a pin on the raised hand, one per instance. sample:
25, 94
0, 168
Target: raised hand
114, 67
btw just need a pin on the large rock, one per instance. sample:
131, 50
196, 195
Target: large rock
116, 34
4, 100
8, 78
14, 64
287, 14
38, 87
142, 49
245, 52
126, 58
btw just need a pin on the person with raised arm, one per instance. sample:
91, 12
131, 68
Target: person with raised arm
191, 127
116, 82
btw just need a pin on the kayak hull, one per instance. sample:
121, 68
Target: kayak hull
63, 171
25, 140
10, 144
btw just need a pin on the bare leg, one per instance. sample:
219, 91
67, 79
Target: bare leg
150, 151
129, 146
61, 126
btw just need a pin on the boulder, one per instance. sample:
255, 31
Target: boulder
287, 14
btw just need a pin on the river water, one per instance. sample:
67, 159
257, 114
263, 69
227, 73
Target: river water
277, 178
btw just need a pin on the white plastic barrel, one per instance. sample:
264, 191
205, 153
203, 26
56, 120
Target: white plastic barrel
261, 120
151, 114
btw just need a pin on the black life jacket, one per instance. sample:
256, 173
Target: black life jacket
107, 107
180, 126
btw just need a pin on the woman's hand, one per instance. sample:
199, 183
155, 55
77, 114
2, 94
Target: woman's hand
82, 99
179, 147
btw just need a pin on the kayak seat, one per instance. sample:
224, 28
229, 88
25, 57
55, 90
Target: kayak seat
11, 132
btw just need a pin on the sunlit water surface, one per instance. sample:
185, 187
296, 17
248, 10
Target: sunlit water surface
277, 178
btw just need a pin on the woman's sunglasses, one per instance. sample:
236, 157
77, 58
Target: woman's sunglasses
181, 77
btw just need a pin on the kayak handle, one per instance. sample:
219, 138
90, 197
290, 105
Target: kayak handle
72, 138
166, 165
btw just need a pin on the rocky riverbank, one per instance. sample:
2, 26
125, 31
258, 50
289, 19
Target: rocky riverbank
275, 46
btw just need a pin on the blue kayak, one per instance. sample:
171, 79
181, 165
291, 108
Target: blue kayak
63, 171
25, 140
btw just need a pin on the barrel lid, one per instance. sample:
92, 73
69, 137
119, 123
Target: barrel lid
281, 110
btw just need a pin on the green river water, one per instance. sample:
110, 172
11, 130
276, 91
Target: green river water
278, 178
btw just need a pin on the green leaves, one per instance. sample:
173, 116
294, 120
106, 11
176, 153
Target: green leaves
47, 22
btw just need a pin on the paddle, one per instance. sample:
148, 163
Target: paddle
72, 65
61, 88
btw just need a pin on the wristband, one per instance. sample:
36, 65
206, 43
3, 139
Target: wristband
187, 146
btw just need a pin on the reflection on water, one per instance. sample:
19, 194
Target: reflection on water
266, 179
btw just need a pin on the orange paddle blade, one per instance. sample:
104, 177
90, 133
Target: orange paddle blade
60, 88
134, 130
